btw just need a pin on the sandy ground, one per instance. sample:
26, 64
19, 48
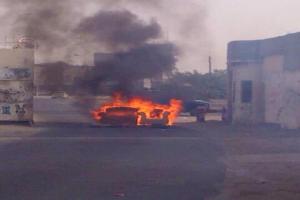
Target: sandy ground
261, 162
63, 157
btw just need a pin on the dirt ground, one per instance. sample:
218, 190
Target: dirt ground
261, 162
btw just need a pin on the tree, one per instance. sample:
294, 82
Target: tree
194, 85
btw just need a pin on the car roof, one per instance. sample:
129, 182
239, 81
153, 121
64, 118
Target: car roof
199, 101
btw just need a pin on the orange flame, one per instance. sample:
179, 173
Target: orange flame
146, 109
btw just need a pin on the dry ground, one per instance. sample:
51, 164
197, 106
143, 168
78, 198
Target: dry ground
261, 162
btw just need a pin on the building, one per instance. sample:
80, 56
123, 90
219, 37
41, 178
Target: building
59, 76
264, 81
16, 84
101, 60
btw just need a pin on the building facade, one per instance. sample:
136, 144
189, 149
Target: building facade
264, 81
16, 84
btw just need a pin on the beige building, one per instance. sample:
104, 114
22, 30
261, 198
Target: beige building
16, 84
54, 77
264, 81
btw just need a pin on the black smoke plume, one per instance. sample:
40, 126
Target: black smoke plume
139, 57
142, 62
118, 29
126, 68
133, 43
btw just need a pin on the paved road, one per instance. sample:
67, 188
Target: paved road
82, 163
70, 159
75, 161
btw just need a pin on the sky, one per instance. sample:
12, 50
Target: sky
230, 20
203, 28
217, 22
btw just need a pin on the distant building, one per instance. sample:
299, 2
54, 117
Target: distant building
100, 58
53, 77
264, 81
153, 83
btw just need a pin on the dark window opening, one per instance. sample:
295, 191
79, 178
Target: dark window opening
246, 91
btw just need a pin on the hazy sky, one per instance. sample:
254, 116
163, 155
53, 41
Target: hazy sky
249, 19
204, 27
216, 22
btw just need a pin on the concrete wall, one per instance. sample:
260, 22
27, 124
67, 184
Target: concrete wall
289, 115
70, 75
257, 50
274, 67
273, 87
16, 57
16, 84
247, 112
282, 93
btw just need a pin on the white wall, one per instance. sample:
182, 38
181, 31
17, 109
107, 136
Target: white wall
290, 107
282, 93
273, 87
247, 112
19, 57
16, 84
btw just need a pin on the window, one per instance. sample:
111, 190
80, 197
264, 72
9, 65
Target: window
6, 110
246, 91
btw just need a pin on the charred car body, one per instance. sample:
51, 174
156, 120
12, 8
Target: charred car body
137, 112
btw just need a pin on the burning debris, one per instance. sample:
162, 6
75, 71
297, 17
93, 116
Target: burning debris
137, 111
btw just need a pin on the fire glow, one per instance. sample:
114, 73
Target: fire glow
137, 111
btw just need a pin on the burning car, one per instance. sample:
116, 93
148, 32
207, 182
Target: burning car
137, 111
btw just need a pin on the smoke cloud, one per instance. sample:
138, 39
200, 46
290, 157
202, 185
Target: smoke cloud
125, 68
124, 28
118, 29
134, 56
138, 63
48, 22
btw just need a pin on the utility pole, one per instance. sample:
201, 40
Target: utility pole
210, 65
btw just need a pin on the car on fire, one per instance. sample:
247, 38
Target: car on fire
136, 111
129, 116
